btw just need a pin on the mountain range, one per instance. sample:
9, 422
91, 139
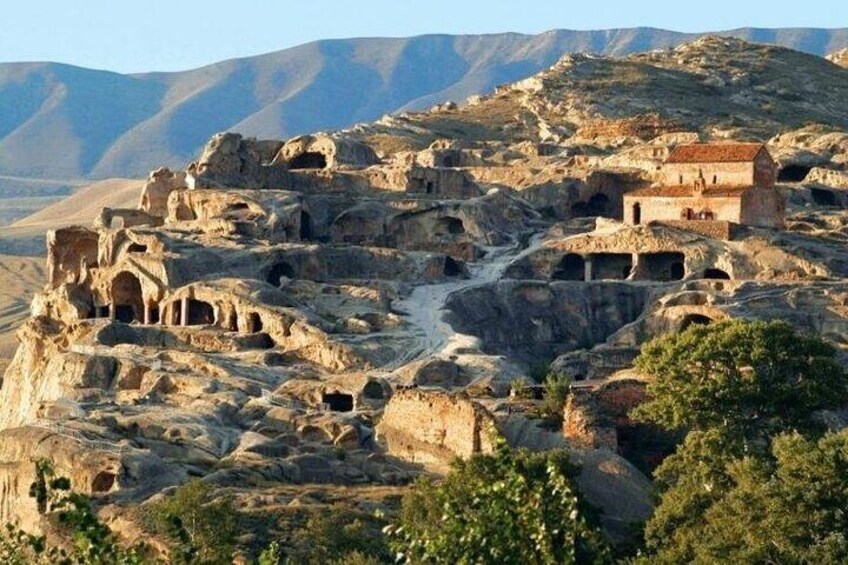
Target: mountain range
64, 122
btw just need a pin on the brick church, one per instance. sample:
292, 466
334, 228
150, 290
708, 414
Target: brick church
727, 183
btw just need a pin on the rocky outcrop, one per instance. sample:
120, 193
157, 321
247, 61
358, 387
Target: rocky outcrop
229, 160
534, 320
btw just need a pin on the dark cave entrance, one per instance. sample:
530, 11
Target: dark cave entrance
793, 173
278, 271
452, 267
308, 160
823, 197
254, 323
716, 274
126, 298
695, 319
449, 225
663, 267
373, 390
571, 267
597, 205
306, 231
338, 401
200, 313
611, 266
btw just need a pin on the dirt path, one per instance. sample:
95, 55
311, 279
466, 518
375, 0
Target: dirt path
424, 308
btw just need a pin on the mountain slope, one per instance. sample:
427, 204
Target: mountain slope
66, 122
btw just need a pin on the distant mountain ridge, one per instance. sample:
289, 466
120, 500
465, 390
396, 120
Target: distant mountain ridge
60, 121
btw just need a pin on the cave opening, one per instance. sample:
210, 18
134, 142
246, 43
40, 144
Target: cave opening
664, 266
278, 271
571, 267
793, 173
613, 266
103, 481
823, 197
306, 231
308, 160
254, 323
452, 267
153, 311
695, 319
126, 298
200, 313
449, 225
597, 205
716, 274
338, 401
373, 390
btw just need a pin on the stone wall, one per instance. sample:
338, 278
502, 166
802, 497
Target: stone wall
595, 412
729, 174
728, 209
715, 229
763, 207
434, 427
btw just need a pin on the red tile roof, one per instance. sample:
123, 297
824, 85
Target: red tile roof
714, 153
686, 191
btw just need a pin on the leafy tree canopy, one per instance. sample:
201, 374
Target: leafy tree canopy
753, 379
504, 508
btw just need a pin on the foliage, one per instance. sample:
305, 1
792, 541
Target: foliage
735, 387
339, 535
554, 396
204, 529
539, 372
520, 388
789, 508
508, 507
752, 379
90, 541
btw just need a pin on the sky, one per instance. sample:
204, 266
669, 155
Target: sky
168, 35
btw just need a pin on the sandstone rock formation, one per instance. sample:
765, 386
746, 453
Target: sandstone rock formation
353, 308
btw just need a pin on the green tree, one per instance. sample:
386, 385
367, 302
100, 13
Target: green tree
790, 509
751, 379
508, 507
732, 387
338, 536
205, 528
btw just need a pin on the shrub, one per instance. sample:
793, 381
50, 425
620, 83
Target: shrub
204, 528
508, 507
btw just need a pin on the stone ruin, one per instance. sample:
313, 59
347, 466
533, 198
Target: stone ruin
377, 293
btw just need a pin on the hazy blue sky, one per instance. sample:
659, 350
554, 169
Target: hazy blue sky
143, 35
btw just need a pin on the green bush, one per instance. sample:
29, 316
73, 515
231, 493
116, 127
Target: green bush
339, 535
89, 541
505, 508
204, 528
554, 397
736, 388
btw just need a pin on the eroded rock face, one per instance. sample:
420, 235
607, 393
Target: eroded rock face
160, 184
229, 160
432, 428
322, 151
535, 320
259, 315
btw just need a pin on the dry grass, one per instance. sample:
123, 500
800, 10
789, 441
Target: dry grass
20, 278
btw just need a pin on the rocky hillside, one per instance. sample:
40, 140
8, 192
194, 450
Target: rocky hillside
355, 309
721, 87
66, 122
